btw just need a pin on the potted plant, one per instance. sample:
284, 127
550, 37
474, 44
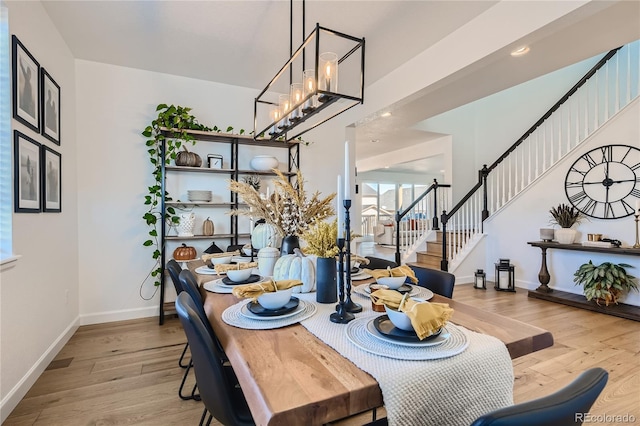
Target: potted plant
605, 283
565, 216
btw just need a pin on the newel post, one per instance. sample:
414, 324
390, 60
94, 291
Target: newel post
435, 225
444, 263
483, 176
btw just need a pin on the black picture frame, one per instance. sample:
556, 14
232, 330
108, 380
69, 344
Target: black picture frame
26, 86
51, 171
26, 174
49, 107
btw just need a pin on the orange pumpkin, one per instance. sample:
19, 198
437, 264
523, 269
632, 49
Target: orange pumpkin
184, 252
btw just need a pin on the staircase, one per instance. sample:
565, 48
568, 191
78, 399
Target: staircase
612, 84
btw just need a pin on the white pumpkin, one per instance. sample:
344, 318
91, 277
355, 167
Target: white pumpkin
265, 235
296, 267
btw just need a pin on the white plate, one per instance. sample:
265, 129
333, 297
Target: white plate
245, 312
216, 287
424, 293
360, 276
205, 270
441, 338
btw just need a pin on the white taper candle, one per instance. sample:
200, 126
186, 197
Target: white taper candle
340, 208
347, 172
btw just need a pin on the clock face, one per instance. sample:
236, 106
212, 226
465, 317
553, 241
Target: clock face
605, 182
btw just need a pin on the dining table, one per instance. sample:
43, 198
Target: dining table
291, 376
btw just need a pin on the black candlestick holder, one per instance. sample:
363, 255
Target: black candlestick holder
350, 305
341, 315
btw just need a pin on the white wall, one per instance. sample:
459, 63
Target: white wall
114, 105
39, 295
484, 129
509, 230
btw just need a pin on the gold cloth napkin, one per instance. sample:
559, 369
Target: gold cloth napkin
222, 268
255, 290
399, 271
426, 318
207, 256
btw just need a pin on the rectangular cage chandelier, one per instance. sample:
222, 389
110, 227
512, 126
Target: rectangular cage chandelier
325, 78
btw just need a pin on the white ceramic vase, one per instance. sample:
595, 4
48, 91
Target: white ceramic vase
185, 227
264, 163
565, 235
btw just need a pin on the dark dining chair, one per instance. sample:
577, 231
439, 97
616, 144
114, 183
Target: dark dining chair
174, 270
440, 282
189, 284
379, 263
568, 406
219, 390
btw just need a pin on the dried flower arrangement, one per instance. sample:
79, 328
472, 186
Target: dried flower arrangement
287, 208
321, 239
565, 216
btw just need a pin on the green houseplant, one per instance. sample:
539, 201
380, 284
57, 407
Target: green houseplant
565, 216
177, 120
605, 283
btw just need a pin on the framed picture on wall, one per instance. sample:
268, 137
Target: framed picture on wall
26, 87
50, 107
51, 164
26, 169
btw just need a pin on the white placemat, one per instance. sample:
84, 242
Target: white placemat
416, 291
451, 391
233, 316
358, 332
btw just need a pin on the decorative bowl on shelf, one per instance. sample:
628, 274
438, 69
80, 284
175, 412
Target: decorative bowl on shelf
264, 163
197, 195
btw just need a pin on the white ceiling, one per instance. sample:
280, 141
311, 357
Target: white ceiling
245, 43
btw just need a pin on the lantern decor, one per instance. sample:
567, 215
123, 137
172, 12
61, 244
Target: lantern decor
505, 276
480, 280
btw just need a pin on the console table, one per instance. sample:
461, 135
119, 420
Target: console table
575, 300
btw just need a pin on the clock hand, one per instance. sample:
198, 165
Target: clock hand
612, 181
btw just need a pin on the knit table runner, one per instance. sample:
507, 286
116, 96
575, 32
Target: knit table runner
442, 392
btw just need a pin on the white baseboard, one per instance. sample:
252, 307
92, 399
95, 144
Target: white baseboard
123, 315
15, 395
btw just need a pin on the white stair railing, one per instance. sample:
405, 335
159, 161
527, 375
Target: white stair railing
608, 87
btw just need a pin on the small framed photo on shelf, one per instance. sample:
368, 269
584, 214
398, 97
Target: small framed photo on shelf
214, 161
26, 169
51, 180
50, 107
26, 88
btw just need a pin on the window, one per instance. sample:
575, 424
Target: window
6, 201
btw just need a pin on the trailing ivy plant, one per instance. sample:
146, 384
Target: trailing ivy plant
177, 120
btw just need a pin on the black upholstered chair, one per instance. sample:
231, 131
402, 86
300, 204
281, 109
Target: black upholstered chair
174, 270
219, 390
379, 263
568, 406
440, 282
189, 284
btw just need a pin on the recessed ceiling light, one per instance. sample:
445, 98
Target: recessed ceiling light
386, 167
520, 51
386, 114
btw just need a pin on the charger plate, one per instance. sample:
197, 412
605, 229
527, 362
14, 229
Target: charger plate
416, 291
253, 278
358, 333
216, 286
234, 316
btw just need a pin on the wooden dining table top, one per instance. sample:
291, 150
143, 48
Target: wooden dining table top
290, 377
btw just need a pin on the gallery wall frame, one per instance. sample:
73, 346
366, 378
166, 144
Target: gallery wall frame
26, 86
50, 107
26, 173
51, 171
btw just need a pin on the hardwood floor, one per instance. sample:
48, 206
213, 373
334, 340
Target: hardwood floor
127, 373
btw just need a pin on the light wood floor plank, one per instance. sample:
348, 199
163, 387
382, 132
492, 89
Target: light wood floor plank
126, 373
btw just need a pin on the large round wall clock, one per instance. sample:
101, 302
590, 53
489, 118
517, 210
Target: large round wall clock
605, 182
